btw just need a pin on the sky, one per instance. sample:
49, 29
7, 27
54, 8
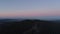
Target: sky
29, 8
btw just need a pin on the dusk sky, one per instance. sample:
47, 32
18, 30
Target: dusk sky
29, 8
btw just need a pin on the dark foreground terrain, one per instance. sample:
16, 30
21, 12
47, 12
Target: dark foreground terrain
30, 27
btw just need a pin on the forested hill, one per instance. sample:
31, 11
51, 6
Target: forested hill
30, 27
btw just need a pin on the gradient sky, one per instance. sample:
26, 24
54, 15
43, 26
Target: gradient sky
29, 8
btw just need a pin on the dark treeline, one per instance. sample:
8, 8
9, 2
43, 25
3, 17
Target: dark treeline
30, 27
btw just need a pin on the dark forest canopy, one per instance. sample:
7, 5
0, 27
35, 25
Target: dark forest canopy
29, 26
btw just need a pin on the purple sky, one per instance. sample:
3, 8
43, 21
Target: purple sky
29, 8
